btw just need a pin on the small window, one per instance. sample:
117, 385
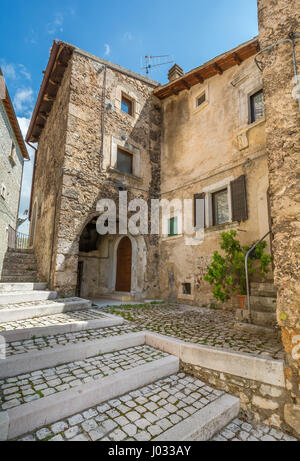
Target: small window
127, 105
124, 161
200, 100
173, 227
257, 106
186, 289
220, 207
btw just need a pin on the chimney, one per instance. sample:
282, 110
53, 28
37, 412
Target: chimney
174, 73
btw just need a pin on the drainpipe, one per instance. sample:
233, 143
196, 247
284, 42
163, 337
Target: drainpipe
291, 40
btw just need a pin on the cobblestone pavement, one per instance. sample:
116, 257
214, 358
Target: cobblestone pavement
198, 325
51, 341
48, 302
37, 384
141, 415
55, 319
239, 431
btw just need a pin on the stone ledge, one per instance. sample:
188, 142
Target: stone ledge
264, 370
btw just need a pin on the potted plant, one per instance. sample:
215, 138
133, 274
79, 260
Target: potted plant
227, 274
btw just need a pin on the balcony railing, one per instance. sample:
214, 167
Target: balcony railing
17, 240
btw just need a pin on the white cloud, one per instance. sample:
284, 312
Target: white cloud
107, 49
23, 71
24, 125
56, 25
9, 70
23, 100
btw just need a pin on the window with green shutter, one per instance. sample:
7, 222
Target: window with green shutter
173, 227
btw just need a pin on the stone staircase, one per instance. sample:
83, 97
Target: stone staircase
19, 266
72, 372
263, 310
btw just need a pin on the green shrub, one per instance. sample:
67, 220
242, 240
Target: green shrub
227, 273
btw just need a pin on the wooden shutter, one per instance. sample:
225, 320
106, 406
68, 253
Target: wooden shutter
239, 199
199, 197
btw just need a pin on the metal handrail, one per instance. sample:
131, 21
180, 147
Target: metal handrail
247, 274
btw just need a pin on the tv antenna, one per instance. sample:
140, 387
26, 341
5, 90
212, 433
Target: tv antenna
151, 62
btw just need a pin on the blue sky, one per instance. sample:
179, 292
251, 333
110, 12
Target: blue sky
122, 31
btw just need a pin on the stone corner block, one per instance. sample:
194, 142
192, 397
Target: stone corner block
4, 425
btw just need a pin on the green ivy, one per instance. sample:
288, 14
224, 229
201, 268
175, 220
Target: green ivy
227, 273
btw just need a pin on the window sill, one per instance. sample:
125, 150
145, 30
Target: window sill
121, 173
201, 107
249, 126
169, 238
223, 226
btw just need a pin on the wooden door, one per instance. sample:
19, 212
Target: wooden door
124, 257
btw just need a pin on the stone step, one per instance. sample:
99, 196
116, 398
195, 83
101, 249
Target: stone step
92, 382
24, 287
19, 271
177, 407
257, 330
21, 311
21, 251
15, 297
264, 301
267, 319
118, 296
263, 289
24, 278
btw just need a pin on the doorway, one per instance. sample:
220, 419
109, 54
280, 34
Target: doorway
124, 262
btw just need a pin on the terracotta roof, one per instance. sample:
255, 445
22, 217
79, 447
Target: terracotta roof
214, 67
9, 109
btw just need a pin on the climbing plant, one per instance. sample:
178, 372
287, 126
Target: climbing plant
227, 273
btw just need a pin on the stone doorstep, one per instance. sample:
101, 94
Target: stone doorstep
30, 416
24, 287
62, 328
48, 358
204, 424
41, 310
15, 297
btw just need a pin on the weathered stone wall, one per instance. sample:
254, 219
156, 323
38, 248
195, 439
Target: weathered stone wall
88, 171
262, 402
277, 19
10, 177
204, 148
48, 179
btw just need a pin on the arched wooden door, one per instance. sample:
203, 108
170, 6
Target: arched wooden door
124, 259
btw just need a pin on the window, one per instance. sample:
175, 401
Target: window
173, 227
127, 105
256, 106
124, 161
220, 208
186, 289
200, 100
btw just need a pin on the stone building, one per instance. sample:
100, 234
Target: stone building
98, 130
12, 155
101, 129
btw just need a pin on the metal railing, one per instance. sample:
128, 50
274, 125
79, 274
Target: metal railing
247, 273
17, 240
